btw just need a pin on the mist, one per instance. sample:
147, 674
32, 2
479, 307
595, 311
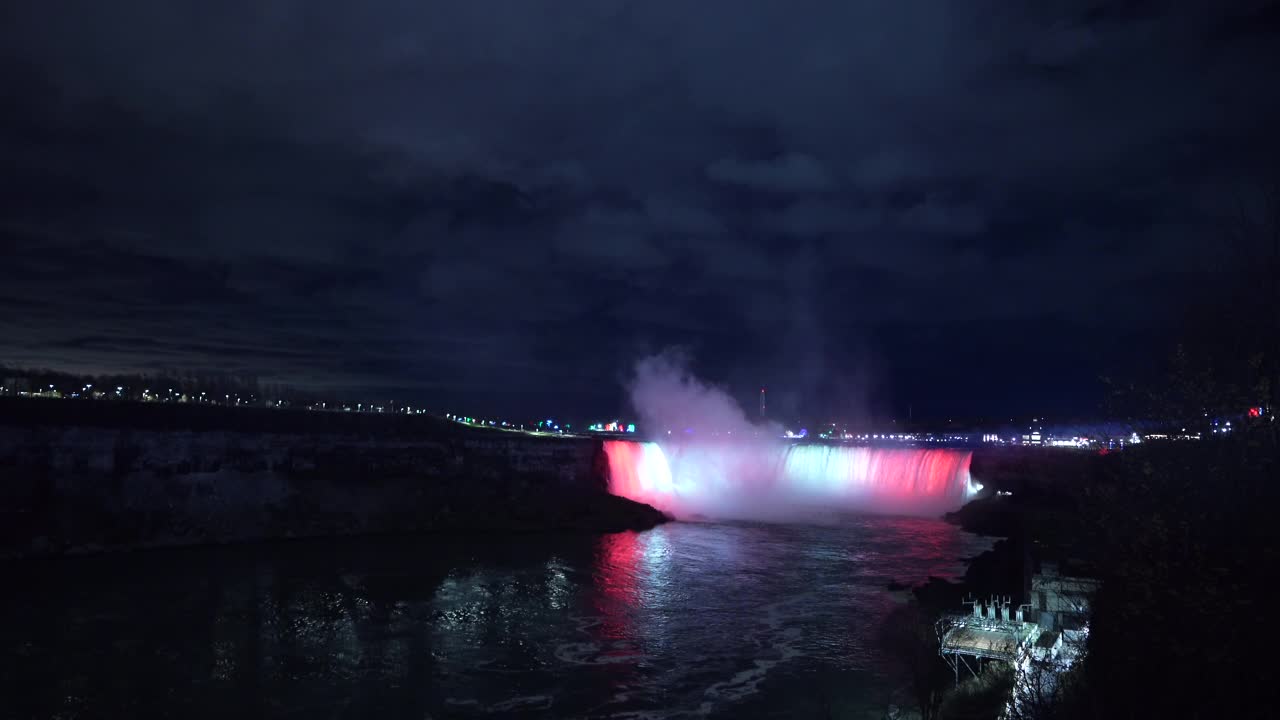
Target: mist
709, 460
671, 402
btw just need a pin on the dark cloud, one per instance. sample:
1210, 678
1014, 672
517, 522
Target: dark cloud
790, 172
490, 203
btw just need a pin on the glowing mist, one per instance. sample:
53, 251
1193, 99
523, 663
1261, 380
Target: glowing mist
787, 482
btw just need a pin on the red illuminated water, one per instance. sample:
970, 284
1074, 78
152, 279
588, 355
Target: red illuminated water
766, 482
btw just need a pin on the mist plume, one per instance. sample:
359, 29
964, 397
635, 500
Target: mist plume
668, 397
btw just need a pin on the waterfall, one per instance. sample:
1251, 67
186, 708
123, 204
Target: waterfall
775, 481
638, 469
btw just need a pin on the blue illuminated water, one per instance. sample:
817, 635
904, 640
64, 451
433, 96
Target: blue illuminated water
687, 620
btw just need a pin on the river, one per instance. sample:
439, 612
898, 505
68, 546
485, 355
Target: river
685, 620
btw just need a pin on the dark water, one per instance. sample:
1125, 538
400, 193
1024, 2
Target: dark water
687, 620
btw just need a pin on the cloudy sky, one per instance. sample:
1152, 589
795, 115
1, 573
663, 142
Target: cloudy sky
965, 207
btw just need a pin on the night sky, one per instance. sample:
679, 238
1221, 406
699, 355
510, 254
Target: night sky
964, 207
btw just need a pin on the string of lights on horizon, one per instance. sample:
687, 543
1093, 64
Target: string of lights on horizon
1034, 435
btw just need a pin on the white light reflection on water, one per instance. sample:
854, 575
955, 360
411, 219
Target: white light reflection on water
689, 619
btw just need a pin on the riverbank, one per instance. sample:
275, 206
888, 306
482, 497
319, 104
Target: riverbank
1179, 537
92, 477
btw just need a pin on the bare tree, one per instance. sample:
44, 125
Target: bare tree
1048, 683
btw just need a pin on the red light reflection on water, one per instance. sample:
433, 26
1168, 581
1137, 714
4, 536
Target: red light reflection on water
936, 547
617, 570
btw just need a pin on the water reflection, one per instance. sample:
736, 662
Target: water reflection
688, 618
617, 568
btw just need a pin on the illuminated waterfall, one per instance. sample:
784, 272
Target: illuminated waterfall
638, 470
842, 471
749, 481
